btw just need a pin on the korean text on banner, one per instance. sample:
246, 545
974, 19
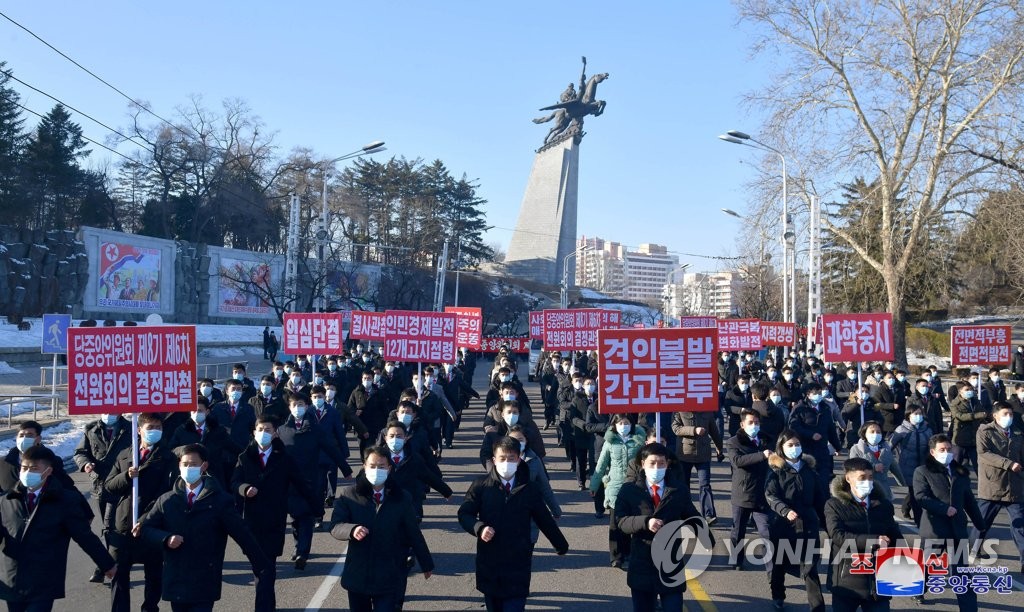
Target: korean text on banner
131, 369
468, 325
980, 344
417, 336
698, 322
491, 344
367, 326
857, 337
739, 335
611, 318
774, 333
312, 333
658, 370
571, 330
537, 324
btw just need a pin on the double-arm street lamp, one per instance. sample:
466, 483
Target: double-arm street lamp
565, 274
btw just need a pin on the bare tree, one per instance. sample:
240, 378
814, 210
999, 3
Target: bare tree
894, 89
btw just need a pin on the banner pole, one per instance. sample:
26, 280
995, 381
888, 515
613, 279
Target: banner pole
419, 381
53, 389
859, 400
657, 426
135, 464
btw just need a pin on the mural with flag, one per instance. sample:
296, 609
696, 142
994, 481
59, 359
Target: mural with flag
129, 276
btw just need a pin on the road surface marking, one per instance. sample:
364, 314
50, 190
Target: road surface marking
702, 597
328, 584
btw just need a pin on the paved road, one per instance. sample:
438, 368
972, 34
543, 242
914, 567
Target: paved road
581, 580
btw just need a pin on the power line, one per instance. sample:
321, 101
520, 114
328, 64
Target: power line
509, 229
98, 144
89, 72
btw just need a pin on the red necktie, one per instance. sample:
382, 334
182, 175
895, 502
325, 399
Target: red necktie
232, 412
191, 498
31, 502
864, 504
200, 432
378, 496
396, 459
263, 459
143, 454
508, 488
654, 495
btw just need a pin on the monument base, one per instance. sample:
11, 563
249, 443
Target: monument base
546, 230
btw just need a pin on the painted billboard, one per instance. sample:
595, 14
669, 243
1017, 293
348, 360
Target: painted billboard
242, 283
128, 273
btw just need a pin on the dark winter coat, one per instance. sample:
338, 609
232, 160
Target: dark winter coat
850, 524
910, 444
193, 572
503, 565
773, 421
851, 412
997, 452
787, 488
929, 403
936, 489
633, 508
34, 548
273, 406
101, 449
749, 470
886, 402
494, 422
220, 448
691, 447
332, 423
968, 415
365, 411
266, 514
806, 421
735, 402
376, 564
239, 427
304, 444
412, 475
10, 469
157, 474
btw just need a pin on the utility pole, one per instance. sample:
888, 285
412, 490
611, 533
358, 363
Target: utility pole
814, 269
458, 270
442, 269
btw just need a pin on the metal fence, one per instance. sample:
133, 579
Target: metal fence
49, 403
46, 376
221, 371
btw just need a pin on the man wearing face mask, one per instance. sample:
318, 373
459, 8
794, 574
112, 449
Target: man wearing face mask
191, 524
209, 390
748, 453
204, 429
968, 414
157, 472
104, 439
297, 383
1016, 402
767, 406
40, 517
1000, 477
510, 417
583, 435
268, 401
846, 386
924, 400
858, 403
248, 387
304, 440
376, 517
697, 431
885, 397
265, 477
237, 418
498, 511
994, 386
738, 399
549, 385
334, 421
942, 489
30, 434
366, 406
812, 420
1017, 364
858, 515
409, 471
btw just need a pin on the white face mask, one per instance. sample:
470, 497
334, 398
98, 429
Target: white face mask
511, 419
405, 418
945, 458
874, 438
1005, 421
506, 469
376, 476
206, 390
623, 429
654, 475
863, 488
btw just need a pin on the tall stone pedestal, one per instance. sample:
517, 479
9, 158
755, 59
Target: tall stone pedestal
546, 230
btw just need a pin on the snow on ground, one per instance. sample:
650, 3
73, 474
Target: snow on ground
7, 369
230, 352
975, 320
589, 294
924, 359
11, 337
61, 438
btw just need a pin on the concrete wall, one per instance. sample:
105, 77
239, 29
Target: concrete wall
40, 271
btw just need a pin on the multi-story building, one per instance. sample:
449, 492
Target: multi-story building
610, 268
703, 294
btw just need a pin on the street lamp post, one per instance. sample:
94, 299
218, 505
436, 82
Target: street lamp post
322, 234
565, 275
788, 281
670, 294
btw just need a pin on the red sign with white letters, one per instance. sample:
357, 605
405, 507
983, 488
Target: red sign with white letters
774, 333
537, 324
857, 337
739, 334
367, 326
980, 344
658, 370
131, 369
312, 333
418, 336
467, 326
573, 329
491, 344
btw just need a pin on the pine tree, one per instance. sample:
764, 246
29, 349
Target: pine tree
55, 182
12, 146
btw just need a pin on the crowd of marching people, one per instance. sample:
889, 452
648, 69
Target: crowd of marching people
255, 457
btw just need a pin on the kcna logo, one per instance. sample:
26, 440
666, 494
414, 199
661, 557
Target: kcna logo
900, 571
680, 546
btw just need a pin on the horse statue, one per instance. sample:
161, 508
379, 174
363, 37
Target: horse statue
571, 113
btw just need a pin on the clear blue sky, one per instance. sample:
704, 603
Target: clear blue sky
458, 81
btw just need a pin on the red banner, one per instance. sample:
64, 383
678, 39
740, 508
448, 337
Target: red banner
774, 333
312, 333
367, 326
491, 344
131, 369
980, 344
658, 370
739, 335
857, 337
611, 318
417, 336
698, 322
537, 324
468, 325
571, 330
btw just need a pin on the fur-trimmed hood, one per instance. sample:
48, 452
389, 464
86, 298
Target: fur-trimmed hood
841, 489
778, 462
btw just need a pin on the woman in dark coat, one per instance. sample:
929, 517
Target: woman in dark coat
642, 508
796, 496
376, 517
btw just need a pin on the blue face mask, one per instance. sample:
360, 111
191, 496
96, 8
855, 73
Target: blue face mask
263, 438
236, 395
152, 436
191, 474
30, 480
266, 390
793, 452
969, 394
752, 430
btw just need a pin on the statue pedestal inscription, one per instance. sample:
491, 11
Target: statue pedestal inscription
546, 230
